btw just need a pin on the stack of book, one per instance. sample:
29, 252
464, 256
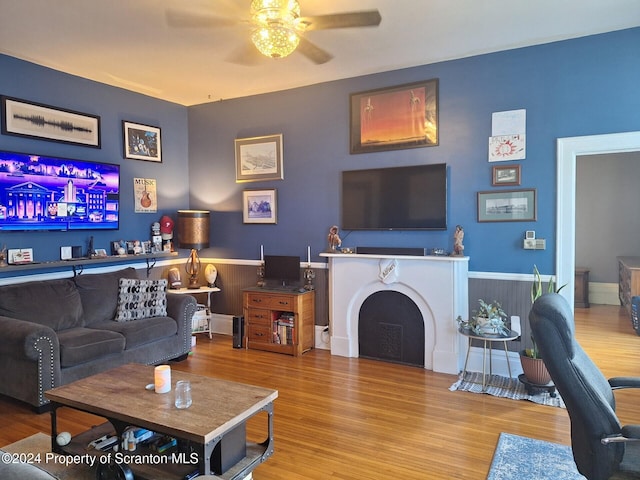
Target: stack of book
284, 330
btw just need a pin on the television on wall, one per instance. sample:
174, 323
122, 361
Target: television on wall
395, 198
40, 192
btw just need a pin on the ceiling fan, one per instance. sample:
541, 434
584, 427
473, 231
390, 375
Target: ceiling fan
277, 29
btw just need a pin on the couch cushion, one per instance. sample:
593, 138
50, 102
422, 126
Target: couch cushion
80, 345
54, 303
142, 331
99, 293
141, 299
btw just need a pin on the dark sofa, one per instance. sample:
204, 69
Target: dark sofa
53, 332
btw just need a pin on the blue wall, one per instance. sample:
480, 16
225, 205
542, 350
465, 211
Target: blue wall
38, 84
578, 87
571, 88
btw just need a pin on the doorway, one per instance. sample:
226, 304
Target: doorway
568, 150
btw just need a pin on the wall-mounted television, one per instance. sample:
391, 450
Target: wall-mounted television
39, 192
395, 198
282, 269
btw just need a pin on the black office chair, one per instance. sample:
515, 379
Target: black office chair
602, 448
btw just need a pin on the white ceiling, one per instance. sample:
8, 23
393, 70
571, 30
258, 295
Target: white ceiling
129, 44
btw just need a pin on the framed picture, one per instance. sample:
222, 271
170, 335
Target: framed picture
507, 175
259, 158
259, 206
507, 206
142, 142
395, 118
35, 120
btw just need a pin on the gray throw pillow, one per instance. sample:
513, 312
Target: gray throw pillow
141, 299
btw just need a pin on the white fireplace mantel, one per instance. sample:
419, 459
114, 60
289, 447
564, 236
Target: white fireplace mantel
438, 285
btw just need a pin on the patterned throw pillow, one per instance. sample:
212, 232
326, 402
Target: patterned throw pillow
141, 299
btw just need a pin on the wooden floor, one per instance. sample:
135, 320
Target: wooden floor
341, 418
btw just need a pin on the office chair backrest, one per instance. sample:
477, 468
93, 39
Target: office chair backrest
585, 391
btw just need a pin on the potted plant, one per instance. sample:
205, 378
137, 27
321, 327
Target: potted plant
489, 319
532, 364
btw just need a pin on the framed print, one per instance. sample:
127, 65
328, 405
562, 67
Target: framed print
507, 206
259, 206
395, 118
507, 175
43, 122
142, 142
259, 158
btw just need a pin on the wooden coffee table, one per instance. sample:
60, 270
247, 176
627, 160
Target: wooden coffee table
214, 426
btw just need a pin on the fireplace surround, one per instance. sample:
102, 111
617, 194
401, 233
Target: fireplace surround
438, 285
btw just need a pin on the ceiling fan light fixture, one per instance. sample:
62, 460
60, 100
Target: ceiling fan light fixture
275, 41
275, 23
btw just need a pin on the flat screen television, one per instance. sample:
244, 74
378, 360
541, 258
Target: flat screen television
39, 192
395, 198
282, 269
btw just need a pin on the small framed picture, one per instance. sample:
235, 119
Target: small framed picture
507, 206
259, 206
142, 142
259, 158
505, 175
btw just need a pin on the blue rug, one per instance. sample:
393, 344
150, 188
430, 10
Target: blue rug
516, 458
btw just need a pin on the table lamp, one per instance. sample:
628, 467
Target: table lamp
193, 233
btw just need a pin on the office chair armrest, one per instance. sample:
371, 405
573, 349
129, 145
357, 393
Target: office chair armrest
624, 382
629, 433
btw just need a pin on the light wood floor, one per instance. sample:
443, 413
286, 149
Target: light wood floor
340, 418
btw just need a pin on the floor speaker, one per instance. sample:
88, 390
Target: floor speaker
238, 332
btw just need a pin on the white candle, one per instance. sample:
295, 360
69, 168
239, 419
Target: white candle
309, 255
162, 378
261, 253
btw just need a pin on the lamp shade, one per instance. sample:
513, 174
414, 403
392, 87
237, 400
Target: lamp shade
193, 229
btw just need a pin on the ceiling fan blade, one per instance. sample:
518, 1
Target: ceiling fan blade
313, 52
178, 18
365, 18
246, 54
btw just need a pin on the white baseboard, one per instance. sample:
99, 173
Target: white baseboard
498, 362
222, 324
603, 293
323, 339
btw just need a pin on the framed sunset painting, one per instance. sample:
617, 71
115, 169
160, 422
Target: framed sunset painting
395, 118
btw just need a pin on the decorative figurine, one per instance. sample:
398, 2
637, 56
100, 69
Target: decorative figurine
458, 236
334, 239
3, 256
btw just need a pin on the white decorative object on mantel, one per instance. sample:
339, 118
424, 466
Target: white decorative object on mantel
388, 271
438, 285
210, 274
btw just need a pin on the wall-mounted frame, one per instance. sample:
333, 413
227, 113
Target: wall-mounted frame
395, 118
507, 206
259, 158
505, 175
43, 122
141, 142
259, 206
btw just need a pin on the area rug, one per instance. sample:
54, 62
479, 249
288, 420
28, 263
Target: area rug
504, 387
40, 443
517, 458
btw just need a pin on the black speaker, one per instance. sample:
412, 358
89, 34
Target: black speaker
238, 332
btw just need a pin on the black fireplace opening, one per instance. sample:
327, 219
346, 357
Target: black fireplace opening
391, 328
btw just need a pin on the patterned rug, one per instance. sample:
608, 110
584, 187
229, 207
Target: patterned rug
506, 388
518, 457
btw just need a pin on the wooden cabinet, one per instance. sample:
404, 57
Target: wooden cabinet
628, 280
279, 321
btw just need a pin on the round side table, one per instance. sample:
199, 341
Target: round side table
487, 340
